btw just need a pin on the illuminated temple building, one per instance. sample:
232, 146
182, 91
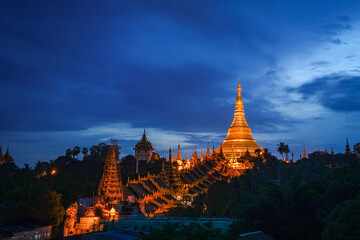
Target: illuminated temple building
239, 139
177, 183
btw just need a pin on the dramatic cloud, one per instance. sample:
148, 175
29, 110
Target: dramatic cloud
337, 92
76, 73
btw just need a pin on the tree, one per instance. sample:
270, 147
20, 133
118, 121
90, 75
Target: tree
258, 151
343, 222
94, 150
286, 150
280, 149
186, 232
48, 208
76, 151
41, 168
85, 152
266, 154
68, 152
283, 148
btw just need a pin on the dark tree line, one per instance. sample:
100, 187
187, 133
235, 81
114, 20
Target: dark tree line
318, 198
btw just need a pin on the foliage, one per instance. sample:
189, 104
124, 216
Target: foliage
283, 148
344, 221
186, 232
311, 190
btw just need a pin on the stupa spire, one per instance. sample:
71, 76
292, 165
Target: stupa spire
239, 134
178, 157
208, 150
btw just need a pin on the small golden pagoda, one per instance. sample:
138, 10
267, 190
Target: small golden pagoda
239, 138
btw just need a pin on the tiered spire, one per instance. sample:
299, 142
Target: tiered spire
194, 156
173, 159
144, 143
163, 175
208, 151
173, 174
347, 146
109, 190
304, 153
178, 157
239, 133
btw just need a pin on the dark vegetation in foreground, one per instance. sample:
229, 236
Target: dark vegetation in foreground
318, 197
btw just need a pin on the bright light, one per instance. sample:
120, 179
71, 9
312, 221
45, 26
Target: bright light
53, 172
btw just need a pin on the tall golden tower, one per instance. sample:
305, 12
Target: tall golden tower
109, 190
239, 138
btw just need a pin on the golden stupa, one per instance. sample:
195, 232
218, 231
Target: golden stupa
239, 138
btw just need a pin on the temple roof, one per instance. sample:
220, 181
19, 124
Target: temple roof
144, 143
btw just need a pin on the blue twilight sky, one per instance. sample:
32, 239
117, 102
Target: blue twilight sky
79, 72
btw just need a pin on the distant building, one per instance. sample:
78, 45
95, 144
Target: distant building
7, 158
143, 151
26, 230
84, 215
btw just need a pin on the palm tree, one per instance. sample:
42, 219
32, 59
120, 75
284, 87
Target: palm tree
68, 152
281, 148
266, 153
286, 150
76, 151
85, 152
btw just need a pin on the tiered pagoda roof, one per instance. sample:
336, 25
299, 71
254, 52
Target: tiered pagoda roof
110, 190
144, 144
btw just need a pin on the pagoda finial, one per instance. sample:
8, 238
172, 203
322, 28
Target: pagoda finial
347, 146
239, 88
208, 150
178, 157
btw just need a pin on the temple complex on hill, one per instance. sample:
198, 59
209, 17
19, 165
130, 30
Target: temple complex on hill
178, 182
239, 139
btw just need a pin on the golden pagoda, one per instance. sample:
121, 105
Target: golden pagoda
239, 139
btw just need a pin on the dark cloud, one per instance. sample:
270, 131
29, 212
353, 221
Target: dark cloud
78, 64
337, 92
337, 41
319, 63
